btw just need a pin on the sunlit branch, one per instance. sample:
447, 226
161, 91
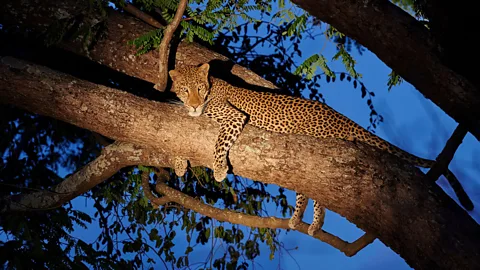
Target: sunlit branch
225, 215
376, 191
161, 85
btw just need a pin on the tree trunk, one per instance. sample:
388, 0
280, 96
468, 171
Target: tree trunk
372, 189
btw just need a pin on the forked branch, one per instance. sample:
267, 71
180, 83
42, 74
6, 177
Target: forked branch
444, 159
113, 158
222, 215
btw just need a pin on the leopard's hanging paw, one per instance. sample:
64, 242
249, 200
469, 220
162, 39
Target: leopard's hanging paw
318, 218
181, 166
300, 205
293, 222
220, 170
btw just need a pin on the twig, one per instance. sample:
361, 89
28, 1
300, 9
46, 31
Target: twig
446, 156
163, 48
441, 166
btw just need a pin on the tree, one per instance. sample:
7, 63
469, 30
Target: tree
79, 109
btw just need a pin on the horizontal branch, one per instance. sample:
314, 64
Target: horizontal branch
234, 217
141, 15
374, 190
405, 45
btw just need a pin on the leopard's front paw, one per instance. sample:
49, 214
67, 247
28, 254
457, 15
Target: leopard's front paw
312, 229
220, 170
293, 223
180, 166
220, 173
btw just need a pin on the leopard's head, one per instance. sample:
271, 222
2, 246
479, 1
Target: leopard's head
191, 86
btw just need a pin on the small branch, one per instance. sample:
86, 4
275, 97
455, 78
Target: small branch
446, 156
163, 48
444, 159
142, 16
155, 201
233, 217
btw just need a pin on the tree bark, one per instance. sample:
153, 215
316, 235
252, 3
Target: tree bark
112, 48
392, 34
406, 46
374, 190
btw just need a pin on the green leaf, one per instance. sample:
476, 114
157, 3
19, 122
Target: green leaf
309, 66
393, 80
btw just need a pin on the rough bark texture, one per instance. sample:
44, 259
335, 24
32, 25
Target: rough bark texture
111, 49
392, 34
406, 46
370, 188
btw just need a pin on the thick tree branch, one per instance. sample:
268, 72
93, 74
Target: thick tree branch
393, 35
406, 46
372, 189
446, 21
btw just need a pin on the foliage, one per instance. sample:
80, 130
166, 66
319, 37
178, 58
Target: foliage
148, 41
37, 151
410, 6
393, 80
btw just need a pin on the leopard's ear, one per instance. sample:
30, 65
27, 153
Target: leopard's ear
175, 75
203, 70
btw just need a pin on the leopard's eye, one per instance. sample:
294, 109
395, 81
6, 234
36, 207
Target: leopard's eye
201, 87
184, 89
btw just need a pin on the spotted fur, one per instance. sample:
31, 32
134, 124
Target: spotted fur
230, 106
180, 166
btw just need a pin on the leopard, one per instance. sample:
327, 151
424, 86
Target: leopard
234, 107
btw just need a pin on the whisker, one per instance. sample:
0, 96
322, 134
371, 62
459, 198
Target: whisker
206, 101
176, 102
